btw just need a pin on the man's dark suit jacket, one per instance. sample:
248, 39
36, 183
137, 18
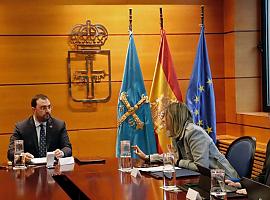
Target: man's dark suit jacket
263, 177
56, 135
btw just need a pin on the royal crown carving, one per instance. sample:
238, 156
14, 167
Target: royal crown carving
88, 36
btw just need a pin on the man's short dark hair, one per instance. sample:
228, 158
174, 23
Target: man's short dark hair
36, 97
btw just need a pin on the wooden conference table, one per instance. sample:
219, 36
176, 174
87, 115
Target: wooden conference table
91, 181
32, 183
105, 181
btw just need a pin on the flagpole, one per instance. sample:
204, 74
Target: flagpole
130, 20
161, 18
202, 15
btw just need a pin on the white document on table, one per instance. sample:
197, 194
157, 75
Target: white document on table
36, 161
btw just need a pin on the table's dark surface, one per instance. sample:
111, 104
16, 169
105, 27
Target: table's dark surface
31, 183
91, 181
105, 181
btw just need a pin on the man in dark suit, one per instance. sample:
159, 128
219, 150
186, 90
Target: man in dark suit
41, 133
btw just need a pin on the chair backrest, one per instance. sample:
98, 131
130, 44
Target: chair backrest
241, 154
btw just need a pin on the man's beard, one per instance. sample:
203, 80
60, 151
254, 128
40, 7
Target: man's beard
47, 117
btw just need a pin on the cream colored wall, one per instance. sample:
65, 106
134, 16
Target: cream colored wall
242, 69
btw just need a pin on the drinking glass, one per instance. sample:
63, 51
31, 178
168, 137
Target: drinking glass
19, 157
50, 159
125, 156
169, 177
217, 190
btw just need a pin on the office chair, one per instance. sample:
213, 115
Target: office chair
241, 154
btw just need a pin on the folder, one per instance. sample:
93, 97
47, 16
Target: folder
85, 161
178, 173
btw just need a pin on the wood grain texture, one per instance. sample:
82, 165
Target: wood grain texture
255, 120
118, 2
261, 134
247, 54
248, 94
43, 59
77, 115
34, 47
229, 15
245, 12
36, 19
4, 141
91, 143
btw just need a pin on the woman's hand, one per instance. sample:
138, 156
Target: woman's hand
234, 184
139, 152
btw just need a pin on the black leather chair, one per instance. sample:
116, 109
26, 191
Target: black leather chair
241, 154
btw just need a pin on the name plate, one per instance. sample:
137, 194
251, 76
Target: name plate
66, 161
135, 172
193, 195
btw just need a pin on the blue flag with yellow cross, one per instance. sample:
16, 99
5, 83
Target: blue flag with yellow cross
134, 120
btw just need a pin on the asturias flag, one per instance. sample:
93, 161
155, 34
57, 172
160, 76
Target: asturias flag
164, 90
200, 95
134, 120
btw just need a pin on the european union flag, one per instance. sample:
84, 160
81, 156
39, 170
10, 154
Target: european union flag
200, 95
134, 120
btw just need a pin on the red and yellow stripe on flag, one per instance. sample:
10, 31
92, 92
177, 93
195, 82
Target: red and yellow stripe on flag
164, 90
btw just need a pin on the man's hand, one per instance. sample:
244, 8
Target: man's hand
58, 153
241, 191
28, 157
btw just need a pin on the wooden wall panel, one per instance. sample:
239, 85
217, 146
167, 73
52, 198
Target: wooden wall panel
27, 60
33, 54
230, 100
229, 74
242, 67
43, 59
100, 142
221, 128
247, 54
247, 14
261, 134
229, 55
248, 99
36, 19
4, 141
77, 115
219, 85
93, 143
254, 119
119, 2
229, 15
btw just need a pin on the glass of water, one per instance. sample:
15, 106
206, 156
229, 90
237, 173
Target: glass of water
19, 157
169, 176
218, 184
125, 156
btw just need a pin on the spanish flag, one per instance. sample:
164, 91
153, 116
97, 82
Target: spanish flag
164, 90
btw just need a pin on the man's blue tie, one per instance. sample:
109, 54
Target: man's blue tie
42, 142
